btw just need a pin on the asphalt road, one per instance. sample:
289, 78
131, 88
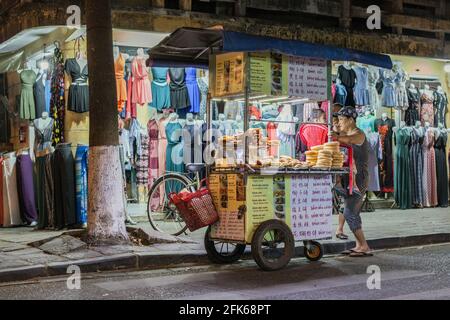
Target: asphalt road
411, 273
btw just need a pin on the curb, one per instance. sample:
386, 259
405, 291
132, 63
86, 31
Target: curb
142, 260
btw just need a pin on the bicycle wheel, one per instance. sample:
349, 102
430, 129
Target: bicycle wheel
162, 214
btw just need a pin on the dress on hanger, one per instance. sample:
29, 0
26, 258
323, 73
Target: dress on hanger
430, 198
375, 154
374, 97
427, 110
412, 113
160, 88
39, 95
141, 92
348, 79
27, 104
402, 181
153, 158
386, 169
179, 96
142, 163
400, 91
442, 168
440, 105
79, 90
58, 101
121, 86
162, 152
341, 94
366, 123
286, 132
193, 90
204, 87
361, 89
416, 159
389, 98
174, 154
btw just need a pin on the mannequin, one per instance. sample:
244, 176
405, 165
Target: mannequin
27, 101
366, 122
190, 119
384, 116
418, 124
116, 51
347, 65
173, 117
427, 112
440, 107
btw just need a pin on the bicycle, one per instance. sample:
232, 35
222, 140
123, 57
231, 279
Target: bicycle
164, 217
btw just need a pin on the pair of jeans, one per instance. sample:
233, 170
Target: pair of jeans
81, 181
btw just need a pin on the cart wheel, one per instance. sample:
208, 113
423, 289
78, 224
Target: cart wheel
222, 252
273, 245
313, 250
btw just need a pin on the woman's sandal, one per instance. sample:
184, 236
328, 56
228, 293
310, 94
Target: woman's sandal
356, 254
341, 236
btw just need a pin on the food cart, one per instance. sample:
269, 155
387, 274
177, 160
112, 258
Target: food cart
264, 198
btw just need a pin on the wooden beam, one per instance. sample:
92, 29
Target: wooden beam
185, 5
240, 8
397, 6
345, 21
158, 3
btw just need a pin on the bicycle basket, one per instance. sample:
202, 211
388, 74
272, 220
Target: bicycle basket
196, 208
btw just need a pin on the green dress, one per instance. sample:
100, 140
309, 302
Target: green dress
402, 172
27, 105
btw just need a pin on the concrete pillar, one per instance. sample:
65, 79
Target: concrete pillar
185, 5
345, 20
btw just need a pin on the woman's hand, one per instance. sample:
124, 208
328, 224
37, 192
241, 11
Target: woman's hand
333, 135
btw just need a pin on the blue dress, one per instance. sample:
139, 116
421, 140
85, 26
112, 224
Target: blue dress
193, 90
341, 94
174, 154
361, 89
160, 89
389, 98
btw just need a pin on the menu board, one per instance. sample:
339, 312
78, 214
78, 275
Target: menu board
268, 73
260, 72
260, 203
311, 207
308, 78
228, 193
229, 74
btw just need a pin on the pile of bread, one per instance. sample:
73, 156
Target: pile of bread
325, 156
288, 162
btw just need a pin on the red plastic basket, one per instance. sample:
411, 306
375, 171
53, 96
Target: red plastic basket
196, 208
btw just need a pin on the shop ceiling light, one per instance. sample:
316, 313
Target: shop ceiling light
447, 67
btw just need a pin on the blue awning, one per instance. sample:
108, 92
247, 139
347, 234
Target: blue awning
238, 42
192, 47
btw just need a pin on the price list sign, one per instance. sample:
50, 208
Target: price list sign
311, 207
308, 78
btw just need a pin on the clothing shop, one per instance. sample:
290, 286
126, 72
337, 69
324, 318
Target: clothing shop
403, 111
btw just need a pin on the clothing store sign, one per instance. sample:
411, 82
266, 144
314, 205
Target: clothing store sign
308, 78
311, 207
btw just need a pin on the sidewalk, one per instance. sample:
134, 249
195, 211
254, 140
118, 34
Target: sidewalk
20, 261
